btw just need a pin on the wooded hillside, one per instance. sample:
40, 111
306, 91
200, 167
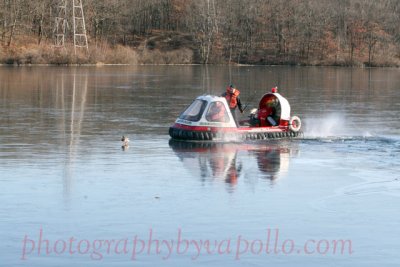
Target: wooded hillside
312, 32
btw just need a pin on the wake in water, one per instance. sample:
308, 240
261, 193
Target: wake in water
331, 126
338, 127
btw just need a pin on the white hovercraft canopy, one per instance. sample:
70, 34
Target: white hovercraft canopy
198, 113
202, 110
285, 107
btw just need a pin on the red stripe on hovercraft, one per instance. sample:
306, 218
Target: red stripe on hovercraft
277, 129
203, 128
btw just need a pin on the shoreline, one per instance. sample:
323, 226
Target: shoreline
194, 64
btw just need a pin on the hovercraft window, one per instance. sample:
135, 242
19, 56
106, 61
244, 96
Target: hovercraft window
194, 111
217, 112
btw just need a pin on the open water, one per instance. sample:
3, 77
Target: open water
71, 196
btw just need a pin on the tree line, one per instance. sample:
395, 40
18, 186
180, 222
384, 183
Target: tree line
237, 31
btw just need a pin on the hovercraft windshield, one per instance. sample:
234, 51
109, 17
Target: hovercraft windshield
194, 111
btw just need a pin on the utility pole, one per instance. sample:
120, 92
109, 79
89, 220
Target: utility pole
78, 22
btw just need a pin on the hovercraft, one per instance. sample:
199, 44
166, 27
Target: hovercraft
209, 118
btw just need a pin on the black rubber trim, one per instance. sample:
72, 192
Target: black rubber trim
180, 134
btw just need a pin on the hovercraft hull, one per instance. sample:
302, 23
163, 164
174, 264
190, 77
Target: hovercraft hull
196, 133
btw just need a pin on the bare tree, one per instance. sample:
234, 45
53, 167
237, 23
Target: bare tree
204, 26
243, 31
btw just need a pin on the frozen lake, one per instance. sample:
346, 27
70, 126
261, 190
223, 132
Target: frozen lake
72, 197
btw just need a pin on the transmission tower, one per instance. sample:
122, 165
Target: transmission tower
60, 26
80, 37
78, 22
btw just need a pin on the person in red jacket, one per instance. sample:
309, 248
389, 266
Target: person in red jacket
232, 97
217, 112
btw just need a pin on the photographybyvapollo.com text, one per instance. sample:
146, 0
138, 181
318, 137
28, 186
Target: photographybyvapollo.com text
149, 244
